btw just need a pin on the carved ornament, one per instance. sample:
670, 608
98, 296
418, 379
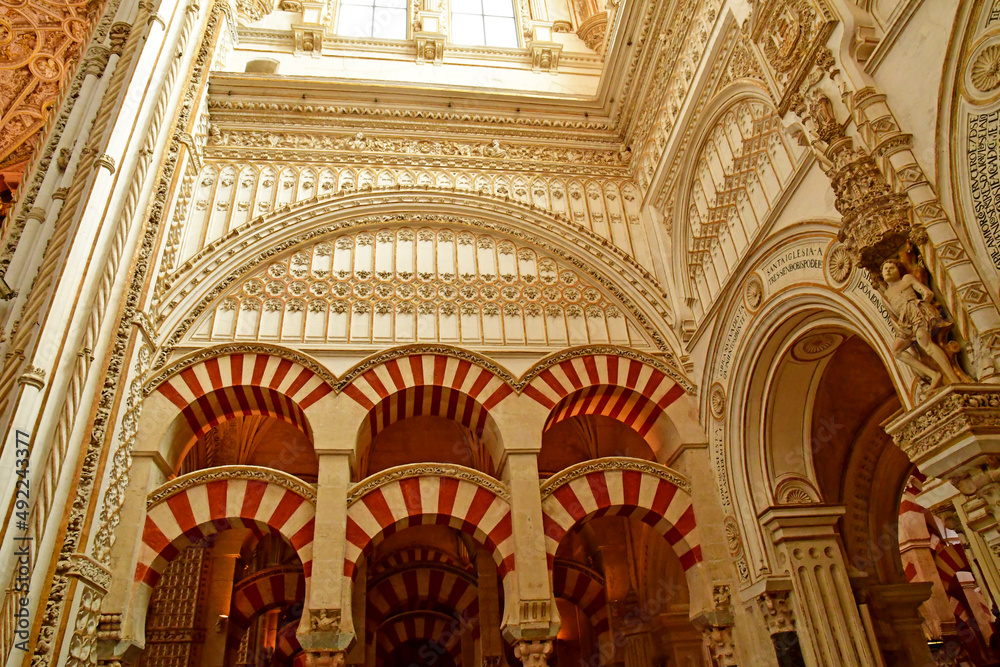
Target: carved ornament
533, 653
81, 566
366, 486
242, 472
776, 607
957, 412
550, 485
40, 42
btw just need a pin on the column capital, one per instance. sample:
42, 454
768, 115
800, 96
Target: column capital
320, 658
776, 607
533, 653
719, 640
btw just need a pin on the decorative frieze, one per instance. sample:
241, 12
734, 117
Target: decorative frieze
957, 416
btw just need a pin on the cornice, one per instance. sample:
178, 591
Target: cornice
648, 39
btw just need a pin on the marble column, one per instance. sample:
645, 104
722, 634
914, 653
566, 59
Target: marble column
327, 628
809, 554
529, 608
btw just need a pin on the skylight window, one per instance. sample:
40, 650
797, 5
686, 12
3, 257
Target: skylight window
483, 23
382, 19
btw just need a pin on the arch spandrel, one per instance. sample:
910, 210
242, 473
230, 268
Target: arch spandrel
794, 284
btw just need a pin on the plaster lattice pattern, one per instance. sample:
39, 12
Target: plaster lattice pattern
423, 284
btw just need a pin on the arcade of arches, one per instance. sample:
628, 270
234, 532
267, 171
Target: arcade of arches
500, 333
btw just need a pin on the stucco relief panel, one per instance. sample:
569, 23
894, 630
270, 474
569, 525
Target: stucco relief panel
424, 284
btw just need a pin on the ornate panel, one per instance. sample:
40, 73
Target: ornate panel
406, 285
227, 195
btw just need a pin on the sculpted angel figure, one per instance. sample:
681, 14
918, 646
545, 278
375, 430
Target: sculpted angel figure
915, 317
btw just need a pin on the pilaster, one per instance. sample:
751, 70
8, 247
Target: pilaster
330, 626
808, 552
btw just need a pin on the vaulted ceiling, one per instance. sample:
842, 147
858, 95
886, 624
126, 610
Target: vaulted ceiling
40, 44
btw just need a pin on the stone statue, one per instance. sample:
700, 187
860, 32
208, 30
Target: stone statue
915, 318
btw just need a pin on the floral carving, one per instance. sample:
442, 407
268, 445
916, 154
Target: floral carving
986, 69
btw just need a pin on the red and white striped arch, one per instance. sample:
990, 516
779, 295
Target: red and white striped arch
287, 646
623, 489
419, 626
949, 558
220, 388
202, 508
625, 389
583, 588
422, 555
266, 590
426, 498
428, 400
428, 370
423, 588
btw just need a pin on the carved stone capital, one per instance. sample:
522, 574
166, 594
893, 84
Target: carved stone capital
117, 37
325, 658
97, 60
107, 162
33, 376
533, 653
947, 435
776, 607
719, 640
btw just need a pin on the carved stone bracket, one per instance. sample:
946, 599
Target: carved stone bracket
950, 430
776, 607
430, 47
